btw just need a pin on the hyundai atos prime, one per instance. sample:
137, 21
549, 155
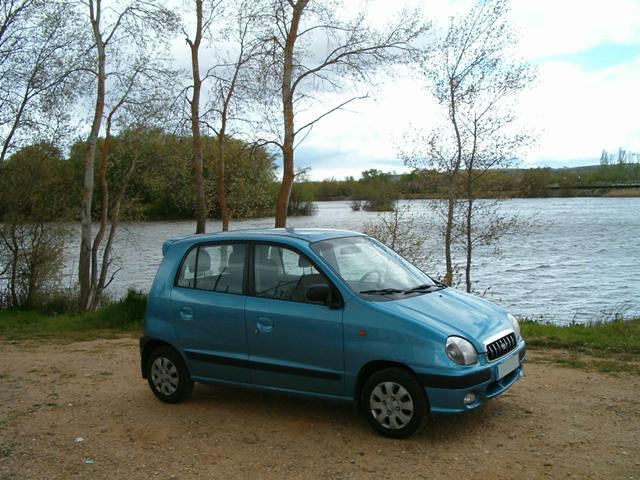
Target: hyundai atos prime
326, 313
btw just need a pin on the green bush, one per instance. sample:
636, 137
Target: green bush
125, 313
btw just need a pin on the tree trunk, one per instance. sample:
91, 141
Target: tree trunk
84, 269
222, 199
115, 221
92, 300
469, 219
14, 266
288, 117
452, 194
286, 186
198, 168
104, 213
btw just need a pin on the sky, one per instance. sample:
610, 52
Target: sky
585, 99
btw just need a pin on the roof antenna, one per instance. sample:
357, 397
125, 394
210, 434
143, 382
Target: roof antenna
290, 229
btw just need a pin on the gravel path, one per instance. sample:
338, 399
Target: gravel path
81, 410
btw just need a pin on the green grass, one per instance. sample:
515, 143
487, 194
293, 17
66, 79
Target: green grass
620, 336
617, 341
125, 315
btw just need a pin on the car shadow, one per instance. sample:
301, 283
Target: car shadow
279, 407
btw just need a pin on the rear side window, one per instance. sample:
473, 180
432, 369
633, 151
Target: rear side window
217, 268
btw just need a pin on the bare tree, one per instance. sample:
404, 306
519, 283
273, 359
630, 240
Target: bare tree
442, 150
294, 71
474, 78
206, 12
114, 27
40, 67
230, 82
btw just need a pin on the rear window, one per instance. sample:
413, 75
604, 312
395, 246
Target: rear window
216, 268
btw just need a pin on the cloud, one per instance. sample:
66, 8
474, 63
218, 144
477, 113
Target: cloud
551, 27
366, 133
579, 112
585, 98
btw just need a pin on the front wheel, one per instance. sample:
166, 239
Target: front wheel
394, 403
168, 375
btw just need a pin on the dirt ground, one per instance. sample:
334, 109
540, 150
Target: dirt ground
557, 423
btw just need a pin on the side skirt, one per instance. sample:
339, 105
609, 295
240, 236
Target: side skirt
264, 388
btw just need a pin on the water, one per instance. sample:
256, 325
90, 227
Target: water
579, 263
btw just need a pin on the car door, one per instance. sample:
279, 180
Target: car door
208, 304
293, 344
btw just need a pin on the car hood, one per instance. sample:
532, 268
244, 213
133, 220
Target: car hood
454, 313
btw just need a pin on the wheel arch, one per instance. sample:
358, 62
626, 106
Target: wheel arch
372, 367
148, 345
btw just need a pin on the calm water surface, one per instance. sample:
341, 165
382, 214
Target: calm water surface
580, 262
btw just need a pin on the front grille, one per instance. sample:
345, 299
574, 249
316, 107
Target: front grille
502, 346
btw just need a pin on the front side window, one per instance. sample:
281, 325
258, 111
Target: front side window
217, 268
371, 268
284, 274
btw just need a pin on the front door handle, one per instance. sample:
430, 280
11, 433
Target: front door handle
264, 325
186, 313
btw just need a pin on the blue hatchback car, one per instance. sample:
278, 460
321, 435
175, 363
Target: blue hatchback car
326, 313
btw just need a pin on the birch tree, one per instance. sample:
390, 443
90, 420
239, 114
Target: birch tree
139, 96
115, 27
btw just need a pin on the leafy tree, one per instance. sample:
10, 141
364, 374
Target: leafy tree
40, 70
33, 190
301, 201
114, 28
535, 182
378, 190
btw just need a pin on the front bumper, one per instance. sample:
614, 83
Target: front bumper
446, 392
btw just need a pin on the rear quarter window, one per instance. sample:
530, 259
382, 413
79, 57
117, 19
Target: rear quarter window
216, 268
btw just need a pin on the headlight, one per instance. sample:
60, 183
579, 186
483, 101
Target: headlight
461, 351
514, 324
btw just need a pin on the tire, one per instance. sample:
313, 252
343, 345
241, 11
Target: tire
394, 403
168, 375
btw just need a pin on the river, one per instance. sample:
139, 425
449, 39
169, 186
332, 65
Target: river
579, 261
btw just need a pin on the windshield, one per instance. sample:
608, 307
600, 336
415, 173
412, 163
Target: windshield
371, 268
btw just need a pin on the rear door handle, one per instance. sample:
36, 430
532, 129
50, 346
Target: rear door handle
264, 325
186, 313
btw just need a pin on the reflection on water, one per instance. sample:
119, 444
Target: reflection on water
580, 262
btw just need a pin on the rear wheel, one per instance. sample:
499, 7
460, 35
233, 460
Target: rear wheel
394, 403
168, 375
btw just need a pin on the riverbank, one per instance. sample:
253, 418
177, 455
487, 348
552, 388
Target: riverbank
115, 319
606, 347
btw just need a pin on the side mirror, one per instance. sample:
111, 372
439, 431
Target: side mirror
319, 292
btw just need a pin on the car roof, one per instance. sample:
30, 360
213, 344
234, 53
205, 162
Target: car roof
307, 234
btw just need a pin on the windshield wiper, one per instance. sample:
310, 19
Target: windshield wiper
381, 291
425, 288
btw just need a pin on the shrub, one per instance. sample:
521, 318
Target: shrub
124, 313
